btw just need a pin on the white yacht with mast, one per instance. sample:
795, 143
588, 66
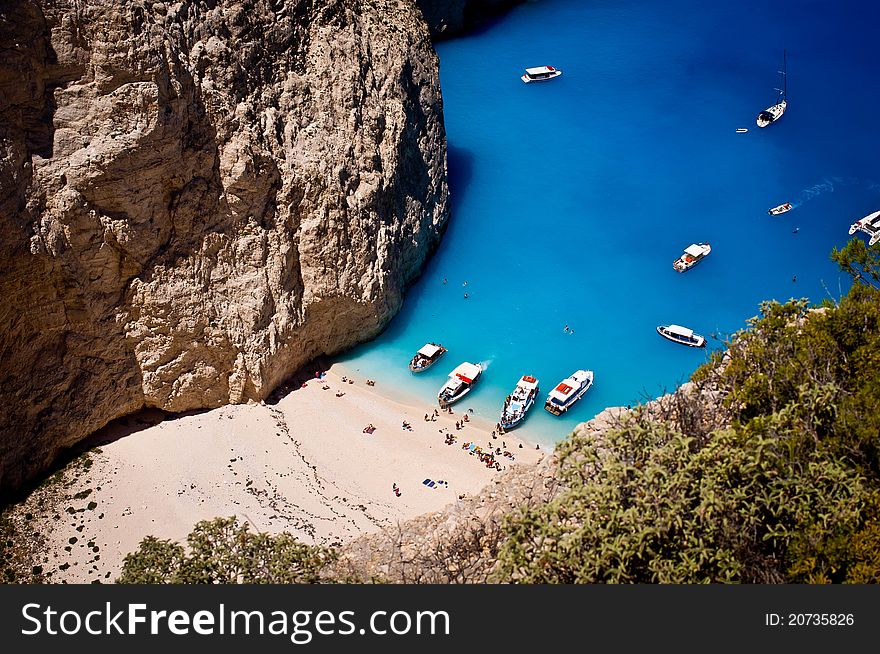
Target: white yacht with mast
774, 113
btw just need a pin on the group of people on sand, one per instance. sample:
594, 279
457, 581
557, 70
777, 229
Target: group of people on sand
432, 417
486, 458
369, 429
406, 426
395, 489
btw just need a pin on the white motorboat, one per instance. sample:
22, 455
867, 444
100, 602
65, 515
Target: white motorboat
568, 391
692, 255
682, 335
741, 130
772, 114
460, 382
519, 402
426, 357
869, 225
540, 74
782, 208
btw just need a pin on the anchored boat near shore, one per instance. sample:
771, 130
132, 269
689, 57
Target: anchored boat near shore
426, 357
568, 392
460, 382
519, 402
681, 335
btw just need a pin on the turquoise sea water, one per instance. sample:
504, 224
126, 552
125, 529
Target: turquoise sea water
571, 198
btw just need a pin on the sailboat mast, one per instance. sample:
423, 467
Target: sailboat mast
784, 76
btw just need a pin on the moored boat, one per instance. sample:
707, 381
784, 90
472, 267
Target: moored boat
782, 208
772, 114
460, 382
568, 391
540, 74
519, 402
682, 335
692, 255
869, 225
426, 357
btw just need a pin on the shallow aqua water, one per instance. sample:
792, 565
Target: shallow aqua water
571, 198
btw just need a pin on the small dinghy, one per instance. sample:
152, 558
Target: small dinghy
741, 130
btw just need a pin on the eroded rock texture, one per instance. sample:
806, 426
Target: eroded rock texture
196, 198
448, 18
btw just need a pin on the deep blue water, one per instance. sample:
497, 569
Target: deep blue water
572, 197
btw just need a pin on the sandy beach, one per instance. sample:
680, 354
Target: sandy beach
301, 464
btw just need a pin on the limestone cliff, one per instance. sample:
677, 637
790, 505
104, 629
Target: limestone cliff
447, 18
196, 198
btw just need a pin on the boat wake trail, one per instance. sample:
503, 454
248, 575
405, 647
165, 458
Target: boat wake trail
485, 364
829, 185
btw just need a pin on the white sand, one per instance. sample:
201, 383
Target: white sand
303, 465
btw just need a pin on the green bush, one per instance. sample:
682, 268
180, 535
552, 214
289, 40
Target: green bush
222, 551
787, 490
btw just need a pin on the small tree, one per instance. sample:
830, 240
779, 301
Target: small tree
860, 261
223, 551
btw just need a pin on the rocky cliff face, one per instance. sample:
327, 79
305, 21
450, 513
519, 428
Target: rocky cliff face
197, 198
447, 18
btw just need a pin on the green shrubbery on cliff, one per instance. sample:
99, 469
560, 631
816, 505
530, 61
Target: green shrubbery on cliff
778, 481
224, 551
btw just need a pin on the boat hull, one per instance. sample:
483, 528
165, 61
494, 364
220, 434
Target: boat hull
528, 80
684, 267
771, 114
511, 423
448, 402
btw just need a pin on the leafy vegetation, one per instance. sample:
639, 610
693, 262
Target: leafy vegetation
223, 551
786, 488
